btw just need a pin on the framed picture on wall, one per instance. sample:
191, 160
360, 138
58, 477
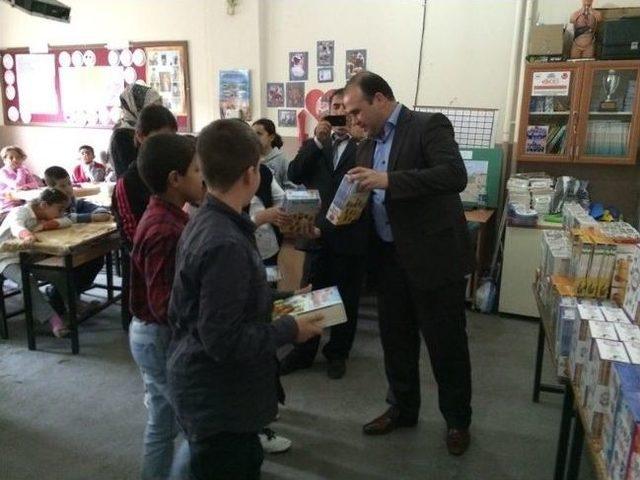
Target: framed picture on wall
166, 73
298, 66
356, 62
295, 94
287, 118
275, 95
235, 94
325, 49
325, 74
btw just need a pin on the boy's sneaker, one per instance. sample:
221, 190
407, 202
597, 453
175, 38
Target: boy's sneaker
272, 443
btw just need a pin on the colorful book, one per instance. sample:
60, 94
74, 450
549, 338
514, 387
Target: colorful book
326, 301
348, 203
536, 141
302, 206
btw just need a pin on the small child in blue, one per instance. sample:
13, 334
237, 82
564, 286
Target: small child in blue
78, 211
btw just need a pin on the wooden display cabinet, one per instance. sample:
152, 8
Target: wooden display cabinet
571, 112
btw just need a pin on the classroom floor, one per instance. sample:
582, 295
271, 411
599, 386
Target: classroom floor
81, 417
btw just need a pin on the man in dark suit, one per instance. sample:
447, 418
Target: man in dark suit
338, 256
411, 164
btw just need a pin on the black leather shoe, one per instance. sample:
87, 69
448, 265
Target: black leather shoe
336, 368
387, 422
292, 362
458, 441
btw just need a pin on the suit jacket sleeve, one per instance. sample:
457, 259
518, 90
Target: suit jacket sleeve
441, 171
302, 166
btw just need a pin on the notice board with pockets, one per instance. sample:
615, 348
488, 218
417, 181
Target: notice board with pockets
80, 85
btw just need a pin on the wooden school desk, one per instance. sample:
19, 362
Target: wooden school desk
84, 190
58, 253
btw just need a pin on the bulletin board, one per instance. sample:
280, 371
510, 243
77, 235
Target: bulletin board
80, 85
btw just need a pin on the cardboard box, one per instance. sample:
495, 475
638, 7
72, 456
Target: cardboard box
625, 410
546, 40
627, 332
615, 315
596, 401
303, 207
633, 350
632, 292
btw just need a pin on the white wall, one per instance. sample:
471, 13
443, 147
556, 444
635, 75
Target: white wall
465, 61
216, 41
558, 11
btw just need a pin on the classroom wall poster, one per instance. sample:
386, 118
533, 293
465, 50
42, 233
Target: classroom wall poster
165, 73
325, 53
356, 62
36, 76
551, 84
235, 94
275, 95
295, 94
287, 118
298, 66
325, 74
91, 95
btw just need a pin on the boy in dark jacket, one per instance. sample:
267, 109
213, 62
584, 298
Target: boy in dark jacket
222, 364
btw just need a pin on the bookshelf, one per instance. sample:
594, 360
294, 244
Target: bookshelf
580, 112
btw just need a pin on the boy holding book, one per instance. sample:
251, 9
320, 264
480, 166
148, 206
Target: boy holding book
167, 165
222, 364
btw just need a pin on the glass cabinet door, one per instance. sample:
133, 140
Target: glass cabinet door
550, 113
608, 133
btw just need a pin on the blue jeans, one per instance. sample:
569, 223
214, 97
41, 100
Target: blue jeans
149, 344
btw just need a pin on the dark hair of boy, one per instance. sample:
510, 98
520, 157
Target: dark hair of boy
270, 128
52, 196
338, 92
162, 154
227, 148
370, 84
87, 147
53, 174
154, 117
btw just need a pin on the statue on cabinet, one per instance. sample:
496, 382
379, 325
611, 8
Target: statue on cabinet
584, 23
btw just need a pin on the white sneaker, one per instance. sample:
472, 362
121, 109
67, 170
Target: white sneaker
272, 443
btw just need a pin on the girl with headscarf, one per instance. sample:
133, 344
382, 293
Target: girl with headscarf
123, 147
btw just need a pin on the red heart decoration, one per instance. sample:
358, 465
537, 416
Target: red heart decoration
317, 102
312, 102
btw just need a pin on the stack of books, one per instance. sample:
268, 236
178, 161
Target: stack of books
630, 96
608, 137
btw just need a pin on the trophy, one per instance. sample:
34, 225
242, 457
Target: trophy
610, 84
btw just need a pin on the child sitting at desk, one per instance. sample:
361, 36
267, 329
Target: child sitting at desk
88, 170
14, 176
41, 214
78, 211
